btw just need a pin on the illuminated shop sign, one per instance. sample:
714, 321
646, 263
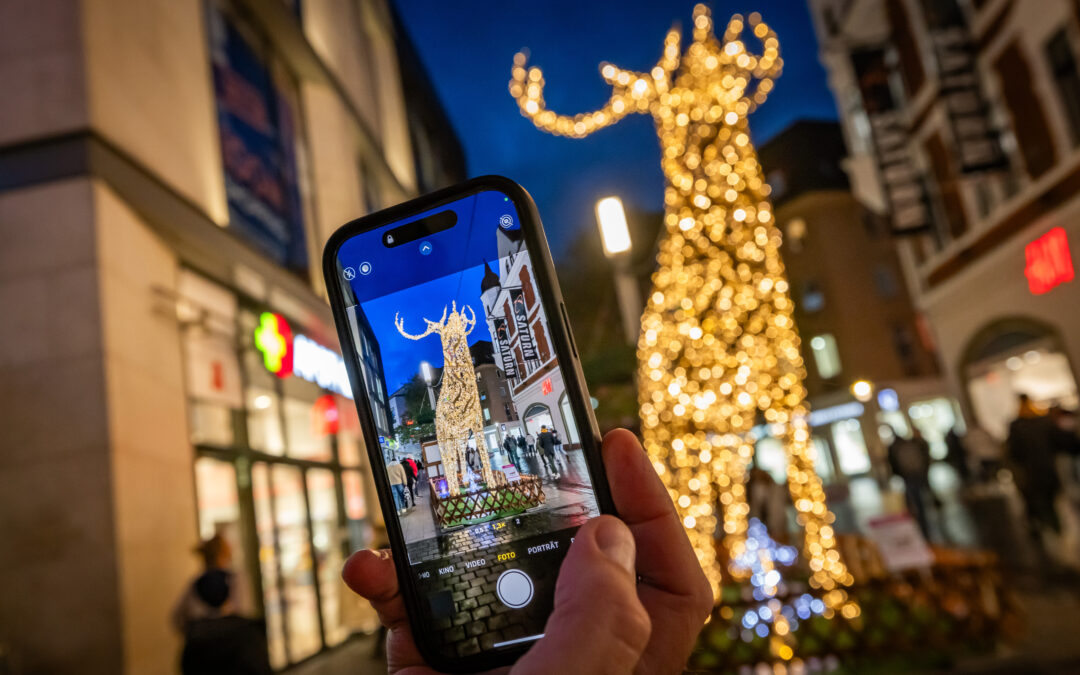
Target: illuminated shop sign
285, 354
1048, 261
844, 411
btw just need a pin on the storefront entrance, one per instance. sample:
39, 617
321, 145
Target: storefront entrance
1015, 357
279, 474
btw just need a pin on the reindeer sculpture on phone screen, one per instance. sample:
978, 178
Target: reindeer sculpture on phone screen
718, 345
457, 414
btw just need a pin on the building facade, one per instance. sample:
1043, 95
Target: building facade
853, 310
170, 370
962, 122
522, 344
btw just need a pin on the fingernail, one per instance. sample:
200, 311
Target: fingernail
616, 542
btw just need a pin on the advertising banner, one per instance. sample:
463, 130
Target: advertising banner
521, 318
502, 343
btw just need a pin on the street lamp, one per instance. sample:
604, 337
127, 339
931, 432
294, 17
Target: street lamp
862, 390
429, 374
615, 236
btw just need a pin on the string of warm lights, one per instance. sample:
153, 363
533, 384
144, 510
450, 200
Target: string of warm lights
718, 346
458, 412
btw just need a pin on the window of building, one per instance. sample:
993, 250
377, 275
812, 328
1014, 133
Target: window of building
912, 70
813, 298
261, 141
795, 233
826, 355
1028, 119
947, 185
885, 281
1062, 58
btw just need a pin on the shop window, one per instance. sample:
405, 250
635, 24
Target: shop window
1062, 59
305, 428
933, 418
826, 355
1028, 119
1038, 369
290, 521
850, 447
770, 457
322, 495
264, 421
268, 565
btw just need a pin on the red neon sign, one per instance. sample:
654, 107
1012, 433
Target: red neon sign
545, 386
1048, 262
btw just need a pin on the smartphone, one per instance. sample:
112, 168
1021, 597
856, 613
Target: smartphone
462, 365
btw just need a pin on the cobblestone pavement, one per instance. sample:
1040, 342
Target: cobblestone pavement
458, 571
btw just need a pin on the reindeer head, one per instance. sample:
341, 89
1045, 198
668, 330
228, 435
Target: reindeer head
453, 328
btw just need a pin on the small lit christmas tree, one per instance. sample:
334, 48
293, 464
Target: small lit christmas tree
718, 344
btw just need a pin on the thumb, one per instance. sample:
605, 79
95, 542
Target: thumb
598, 624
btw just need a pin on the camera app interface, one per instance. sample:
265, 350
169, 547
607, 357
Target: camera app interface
478, 440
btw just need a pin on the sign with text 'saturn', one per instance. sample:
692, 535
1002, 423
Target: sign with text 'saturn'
521, 316
1047, 261
257, 146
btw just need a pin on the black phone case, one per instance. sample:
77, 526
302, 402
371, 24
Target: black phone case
565, 349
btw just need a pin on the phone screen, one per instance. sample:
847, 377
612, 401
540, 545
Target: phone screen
477, 436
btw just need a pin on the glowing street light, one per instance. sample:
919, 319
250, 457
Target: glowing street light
615, 236
614, 233
429, 375
862, 390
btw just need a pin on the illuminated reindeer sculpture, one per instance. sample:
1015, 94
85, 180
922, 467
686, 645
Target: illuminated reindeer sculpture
718, 346
457, 413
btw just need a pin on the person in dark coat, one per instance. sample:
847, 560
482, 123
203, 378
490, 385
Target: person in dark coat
546, 443
510, 448
217, 640
956, 455
1033, 442
909, 458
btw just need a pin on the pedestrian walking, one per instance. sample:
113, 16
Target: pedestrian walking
1032, 447
510, 448
956, 455
396, 474
530, 440
546, 444
909, 458
560, 452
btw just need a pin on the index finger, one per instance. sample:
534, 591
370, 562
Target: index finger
665, 558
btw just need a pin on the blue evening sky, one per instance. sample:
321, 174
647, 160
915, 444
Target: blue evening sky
468, 46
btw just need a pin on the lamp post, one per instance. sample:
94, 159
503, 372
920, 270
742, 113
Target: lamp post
615, 235
428, 374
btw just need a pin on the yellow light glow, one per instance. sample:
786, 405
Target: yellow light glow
614, 233
718, 344
861, 390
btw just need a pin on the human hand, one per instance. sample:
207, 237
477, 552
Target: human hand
630, 596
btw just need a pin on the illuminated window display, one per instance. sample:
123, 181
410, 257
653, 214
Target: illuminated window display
275, 419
